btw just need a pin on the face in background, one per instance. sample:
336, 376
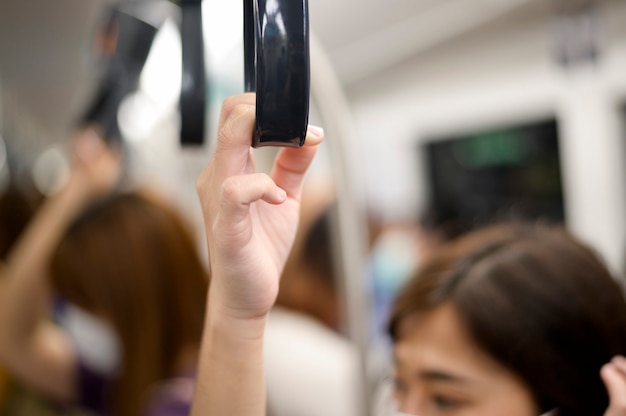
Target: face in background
440, 371
536, 311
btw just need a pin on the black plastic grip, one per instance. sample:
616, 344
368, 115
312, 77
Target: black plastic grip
194, 85
134, 39
277, 67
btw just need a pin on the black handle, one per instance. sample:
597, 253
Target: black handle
276, 54
193, 91
134, 39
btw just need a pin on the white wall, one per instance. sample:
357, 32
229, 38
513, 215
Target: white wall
505, 74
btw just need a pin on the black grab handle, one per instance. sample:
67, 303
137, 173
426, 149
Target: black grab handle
133, 41
277, 67
194, 85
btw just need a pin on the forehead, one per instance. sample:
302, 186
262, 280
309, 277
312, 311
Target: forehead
437, 340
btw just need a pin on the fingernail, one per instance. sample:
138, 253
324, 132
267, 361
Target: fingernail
282, 194
316, 131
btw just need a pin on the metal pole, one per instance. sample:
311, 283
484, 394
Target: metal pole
331, 102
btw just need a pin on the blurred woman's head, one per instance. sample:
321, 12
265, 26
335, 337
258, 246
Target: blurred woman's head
131, 261
514, 320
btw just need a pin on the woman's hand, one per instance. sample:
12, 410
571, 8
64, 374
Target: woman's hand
250, 218
95, 166
614, 376
250, 222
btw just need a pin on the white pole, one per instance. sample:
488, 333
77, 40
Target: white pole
331, 102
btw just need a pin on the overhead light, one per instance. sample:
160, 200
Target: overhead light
137, 116
162, 73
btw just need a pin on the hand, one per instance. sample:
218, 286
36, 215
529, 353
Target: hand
614, 376
95, 166
250, 218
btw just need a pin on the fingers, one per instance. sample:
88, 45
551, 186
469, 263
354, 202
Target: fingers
291, 164
232, 153
239, 192
230, 103
87, 146
314, 136
237, 128
614, 376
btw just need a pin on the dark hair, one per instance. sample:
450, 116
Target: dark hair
317, 249
534, 299
132, 260
309, 281
17, 206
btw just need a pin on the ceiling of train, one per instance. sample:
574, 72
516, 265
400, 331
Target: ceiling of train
46, 67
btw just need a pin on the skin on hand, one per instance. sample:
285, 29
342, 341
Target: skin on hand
614, 376
95, 166
250, 218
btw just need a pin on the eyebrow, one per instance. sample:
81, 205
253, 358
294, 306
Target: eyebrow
435, 375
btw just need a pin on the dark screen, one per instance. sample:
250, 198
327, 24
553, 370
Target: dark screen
496, 175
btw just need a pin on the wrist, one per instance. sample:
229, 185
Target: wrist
80, 190
69, 202
225, 321
79, 186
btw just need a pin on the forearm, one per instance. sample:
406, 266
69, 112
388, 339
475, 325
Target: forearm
230, 378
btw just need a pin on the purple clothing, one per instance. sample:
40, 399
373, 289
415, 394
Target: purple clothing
94, 390
96, 384
172, 398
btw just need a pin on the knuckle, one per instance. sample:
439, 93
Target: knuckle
239, 111
266, 180
227, 130
231, 190
229, 102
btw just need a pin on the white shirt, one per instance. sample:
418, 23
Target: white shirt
310, 370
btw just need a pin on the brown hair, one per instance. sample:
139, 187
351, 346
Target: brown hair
309, 281
133, 261
17, 206
535, 300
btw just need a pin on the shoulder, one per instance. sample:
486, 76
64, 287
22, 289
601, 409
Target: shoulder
310, 370
294, 335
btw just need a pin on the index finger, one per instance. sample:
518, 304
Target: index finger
234, 138
231, 102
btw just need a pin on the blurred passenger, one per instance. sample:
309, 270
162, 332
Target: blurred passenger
311, 369
397, 252
508, 321
132, 289
514, 320
309, 283
17, 206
